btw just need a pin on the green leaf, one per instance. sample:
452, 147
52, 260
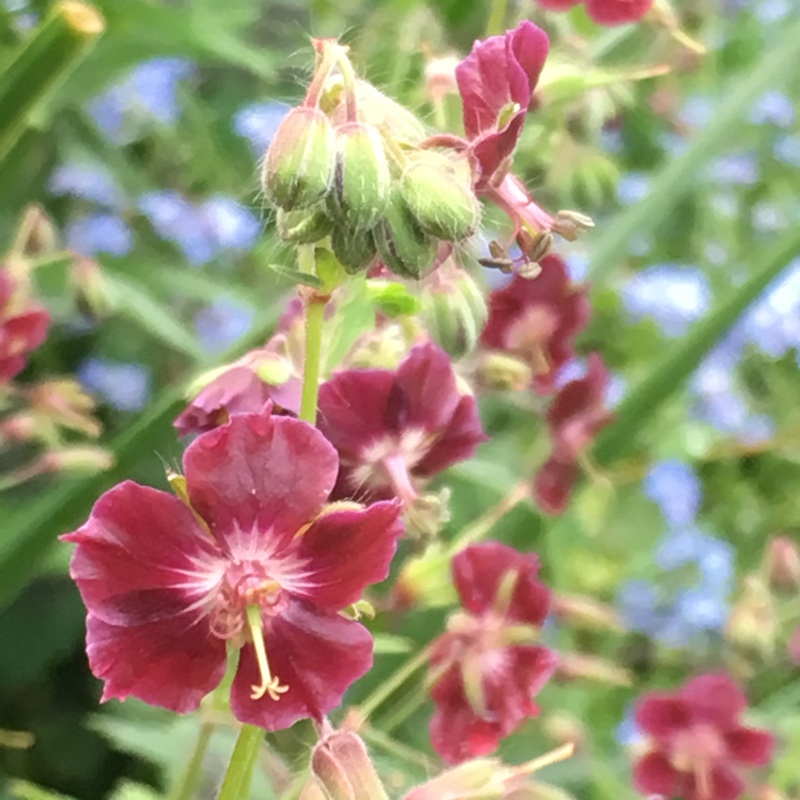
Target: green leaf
295, 276
139, 306
777, 67
42, 63
671, 373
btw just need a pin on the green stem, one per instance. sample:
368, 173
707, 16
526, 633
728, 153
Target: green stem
315, 317
497, 19
390, 686
239, 774
185, 788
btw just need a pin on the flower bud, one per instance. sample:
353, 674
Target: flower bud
402, 245
362, 180
477, 778
501, 372
572, 666
304, 225
783, 564
298, 168
341, 764
355, 249
753, 622
585, 612
454, 310
441, 200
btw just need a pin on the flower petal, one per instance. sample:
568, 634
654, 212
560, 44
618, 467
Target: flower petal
342, 553
750, 745
653, 774
173, 663
715, 698
478, 572
725, 785
662, 715
317, 655
617, 12
142, 557
259, 479
553, 484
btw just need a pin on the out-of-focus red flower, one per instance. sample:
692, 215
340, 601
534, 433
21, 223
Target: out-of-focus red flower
257, 561
697, 744
605, 12
23, 327
575, 416
496, 81
246, 386
487, 666
537, 320
395, 427
794, 646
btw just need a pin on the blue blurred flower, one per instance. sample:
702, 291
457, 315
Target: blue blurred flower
725, 203
577, 265
611, 140
787, 149
258, 123
89, 182
675, 487
123, 386
772, 10
773, 108
627, 733
773, 323
738, 169
697, 111
671, 295
632, 187
713, 557
146, 95
99, 233
222, 324
201, 232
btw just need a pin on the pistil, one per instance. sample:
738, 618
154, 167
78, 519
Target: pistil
270, 684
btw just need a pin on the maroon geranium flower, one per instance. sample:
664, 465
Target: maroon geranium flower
246, 386
605, 12
258, 562
496, 82
697, 744
393, 428
487, 666
23, 327
575, 416
537, 319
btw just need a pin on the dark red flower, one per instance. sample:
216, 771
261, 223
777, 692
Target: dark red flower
496, 82
246, 386
487, 666
575, 416
605, 12
697, 744
395, 427
537, 319
257, 562
23, 327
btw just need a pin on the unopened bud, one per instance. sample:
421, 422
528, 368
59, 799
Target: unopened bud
570, 224
341, 764
19, 428
427, 514
753, 622
783, 564
402, 245
362, 180
298, 168
501, 372
304, 225
312, 791
83, 459
355, 249
441, 200
574, 666
585, 611
93, 297
454, 310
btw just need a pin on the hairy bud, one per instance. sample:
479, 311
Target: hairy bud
440, 198
341, 764
362, 180
355, 249
404, 248
783, 564
304, 226
298, 168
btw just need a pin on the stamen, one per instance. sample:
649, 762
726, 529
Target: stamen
270, 684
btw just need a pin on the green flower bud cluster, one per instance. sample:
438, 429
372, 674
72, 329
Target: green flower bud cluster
367, 195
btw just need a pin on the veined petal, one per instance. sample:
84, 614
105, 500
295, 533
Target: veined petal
258, 480
317, 655
725, 785
142, 556
715, 698
750, 745
662, 716
172, 663
654, 774
342, 553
